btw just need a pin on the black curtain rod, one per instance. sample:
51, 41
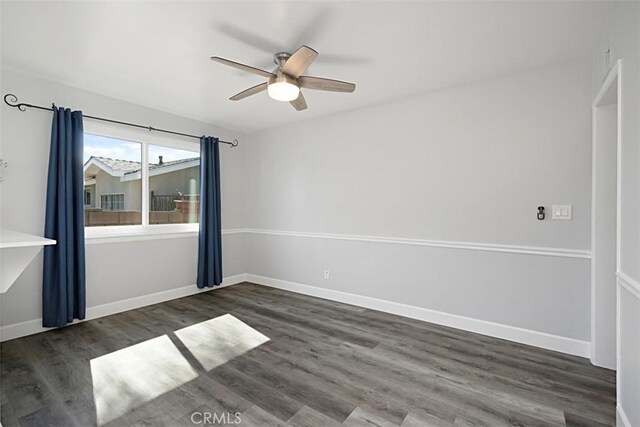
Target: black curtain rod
23, 107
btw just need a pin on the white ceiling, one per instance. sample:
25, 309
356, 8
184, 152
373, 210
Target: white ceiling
156, 54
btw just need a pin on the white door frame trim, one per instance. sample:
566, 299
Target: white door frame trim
613, 76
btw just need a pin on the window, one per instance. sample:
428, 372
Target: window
146, 181
87, 198
109, 198
112, 202
174, 185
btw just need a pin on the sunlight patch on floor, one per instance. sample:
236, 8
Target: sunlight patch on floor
215, 342
130, 377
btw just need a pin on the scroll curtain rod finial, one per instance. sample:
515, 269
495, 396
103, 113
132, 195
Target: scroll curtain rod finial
12, 101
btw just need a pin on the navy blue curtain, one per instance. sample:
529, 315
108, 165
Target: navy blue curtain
210, 237
63, 281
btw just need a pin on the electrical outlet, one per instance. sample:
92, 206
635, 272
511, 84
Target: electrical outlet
326, 274
561, 212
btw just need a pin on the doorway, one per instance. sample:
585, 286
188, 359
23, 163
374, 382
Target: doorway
605, 211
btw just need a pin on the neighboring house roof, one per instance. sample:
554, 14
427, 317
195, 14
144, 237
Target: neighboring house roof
117, 164
153, 166
129, 170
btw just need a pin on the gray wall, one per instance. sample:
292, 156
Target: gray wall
469, 164
111, 276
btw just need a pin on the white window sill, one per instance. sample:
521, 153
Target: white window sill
128, 233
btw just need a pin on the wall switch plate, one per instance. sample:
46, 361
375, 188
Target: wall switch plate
561, 212
326, 275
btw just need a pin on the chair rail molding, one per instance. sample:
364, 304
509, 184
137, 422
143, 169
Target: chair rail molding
473, 246
448, 244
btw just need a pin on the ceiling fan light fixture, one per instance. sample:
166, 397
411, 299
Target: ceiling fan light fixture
282, 91
283, 87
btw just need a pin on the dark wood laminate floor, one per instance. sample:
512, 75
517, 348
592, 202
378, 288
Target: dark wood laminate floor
280, 358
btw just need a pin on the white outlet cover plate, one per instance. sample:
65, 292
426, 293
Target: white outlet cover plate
561, 212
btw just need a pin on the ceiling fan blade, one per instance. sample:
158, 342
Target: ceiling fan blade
299, 103
242, 67
319, 83
248, 92
298, 63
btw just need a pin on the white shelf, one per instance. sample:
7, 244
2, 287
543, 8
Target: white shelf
17, 250
17, 239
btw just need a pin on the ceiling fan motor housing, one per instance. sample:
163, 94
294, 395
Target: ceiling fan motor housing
280, 58
281, 86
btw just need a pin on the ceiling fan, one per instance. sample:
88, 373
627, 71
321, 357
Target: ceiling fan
285, 82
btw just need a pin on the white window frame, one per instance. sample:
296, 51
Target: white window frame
145, 231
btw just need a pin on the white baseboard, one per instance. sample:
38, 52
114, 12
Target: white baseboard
621, 417
17, 330
511, 333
